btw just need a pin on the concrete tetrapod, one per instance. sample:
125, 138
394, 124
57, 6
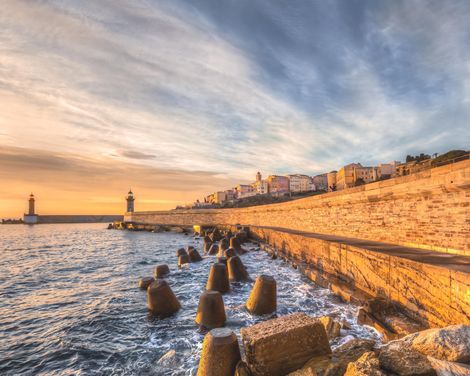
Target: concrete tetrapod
161, 270
145, 282
211, 310
161, 299
218, 279
235, 244
263, 299
223, 245
194, 255
230, 252
220, 353
207, 244
181, 252
222, 260
183, 259
213, 249
236, 270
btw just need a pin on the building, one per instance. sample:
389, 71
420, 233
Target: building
300, 183
216, 198
331, 180
245, 190
260, 185
278, 185
345, 177
230, 195
402, 169
387, 170
364, 175
130, 201
320, 182
31, 217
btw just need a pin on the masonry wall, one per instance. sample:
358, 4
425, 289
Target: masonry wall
78, 218
434, 295
428, 210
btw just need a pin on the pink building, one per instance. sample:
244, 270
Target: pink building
278, 185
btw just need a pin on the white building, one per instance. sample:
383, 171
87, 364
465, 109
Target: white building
300, 183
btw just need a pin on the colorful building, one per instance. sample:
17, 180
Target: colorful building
278, 185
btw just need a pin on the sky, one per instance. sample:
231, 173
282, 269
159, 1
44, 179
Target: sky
177, 98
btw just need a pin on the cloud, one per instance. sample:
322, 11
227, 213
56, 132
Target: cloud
233, 87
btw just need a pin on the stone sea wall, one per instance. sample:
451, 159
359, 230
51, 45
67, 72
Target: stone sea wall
429, 210
78, 218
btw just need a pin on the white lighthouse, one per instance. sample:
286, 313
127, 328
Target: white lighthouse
31, 217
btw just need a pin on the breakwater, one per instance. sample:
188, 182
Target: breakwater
43, 219
405, 240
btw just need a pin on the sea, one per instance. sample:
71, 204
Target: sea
70, 302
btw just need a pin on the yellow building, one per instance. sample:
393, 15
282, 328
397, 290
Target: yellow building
345, 177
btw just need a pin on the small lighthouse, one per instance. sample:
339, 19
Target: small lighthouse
130, 201
31, 217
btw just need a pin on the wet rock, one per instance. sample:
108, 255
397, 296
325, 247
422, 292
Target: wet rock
367, 365
168, 360
145, 282
220, 353
263, 296
282, 345
336, 363
332, 327
194, 255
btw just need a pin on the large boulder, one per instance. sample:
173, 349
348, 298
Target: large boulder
445, 368
367, 365
409, 355
336, 363
332, 327
282, 345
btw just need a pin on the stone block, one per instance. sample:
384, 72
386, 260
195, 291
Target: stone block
282, 345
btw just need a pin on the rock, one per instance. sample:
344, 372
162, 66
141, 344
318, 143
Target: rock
451, 343
332, 327
404, 360
445, 368
145, 282
336, 363
409, 355
282, 345
367, 365
168, 360
242, 369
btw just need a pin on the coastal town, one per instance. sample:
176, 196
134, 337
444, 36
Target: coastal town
348, 176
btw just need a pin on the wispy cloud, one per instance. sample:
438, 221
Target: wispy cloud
235, 87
